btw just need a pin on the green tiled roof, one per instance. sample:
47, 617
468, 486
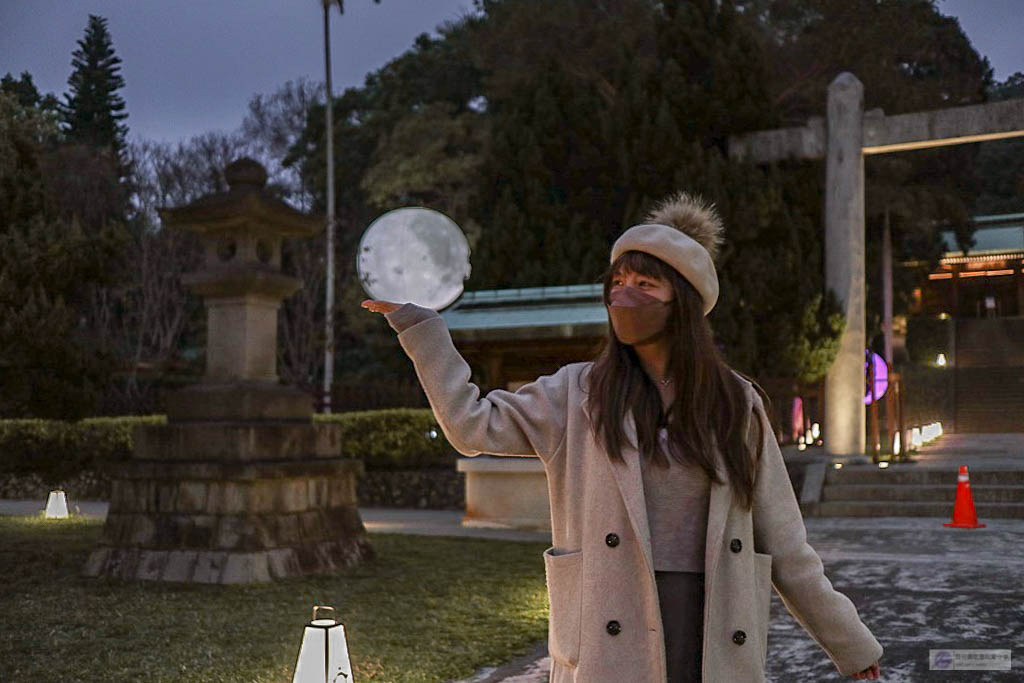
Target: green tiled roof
1005, 238
532, 312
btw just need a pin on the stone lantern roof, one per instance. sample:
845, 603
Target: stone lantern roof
245, 206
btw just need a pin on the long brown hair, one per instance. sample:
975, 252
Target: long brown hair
709, 402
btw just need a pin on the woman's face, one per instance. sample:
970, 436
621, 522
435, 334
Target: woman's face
656, 287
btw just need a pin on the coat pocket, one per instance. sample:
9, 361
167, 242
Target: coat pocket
763, 576
562, 569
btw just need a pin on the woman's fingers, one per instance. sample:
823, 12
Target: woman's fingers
380, 306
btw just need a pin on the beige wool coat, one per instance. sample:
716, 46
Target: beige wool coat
594, 579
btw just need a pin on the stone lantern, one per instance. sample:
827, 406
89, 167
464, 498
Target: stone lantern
240, 485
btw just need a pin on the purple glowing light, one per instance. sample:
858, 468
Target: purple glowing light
877, 369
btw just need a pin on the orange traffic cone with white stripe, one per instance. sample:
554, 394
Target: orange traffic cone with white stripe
963, 508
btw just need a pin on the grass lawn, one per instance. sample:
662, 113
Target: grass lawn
427, 609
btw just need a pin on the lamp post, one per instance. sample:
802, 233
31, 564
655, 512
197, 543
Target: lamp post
329, 322
329, 332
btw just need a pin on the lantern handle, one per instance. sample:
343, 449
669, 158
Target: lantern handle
316, 607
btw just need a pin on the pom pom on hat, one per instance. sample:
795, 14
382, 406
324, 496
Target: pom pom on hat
692, 215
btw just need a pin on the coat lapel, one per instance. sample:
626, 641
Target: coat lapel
631, 486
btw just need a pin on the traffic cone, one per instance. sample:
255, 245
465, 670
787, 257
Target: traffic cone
963, 509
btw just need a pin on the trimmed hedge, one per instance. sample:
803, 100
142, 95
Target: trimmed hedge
55, 450
393, 438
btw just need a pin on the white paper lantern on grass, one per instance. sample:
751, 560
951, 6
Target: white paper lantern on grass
57, 505
323, 654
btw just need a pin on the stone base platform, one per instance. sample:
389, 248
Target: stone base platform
239, 400
227, 566
229, 520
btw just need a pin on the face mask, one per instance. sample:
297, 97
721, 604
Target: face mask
637, 317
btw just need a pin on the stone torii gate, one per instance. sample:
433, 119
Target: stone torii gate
843, 139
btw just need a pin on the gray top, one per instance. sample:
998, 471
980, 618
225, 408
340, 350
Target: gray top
677, 497
677, 500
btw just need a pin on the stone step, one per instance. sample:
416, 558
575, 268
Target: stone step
1009, 385
995, 417
978, 423
931, 476
988, 394
848, 508
979, 427
966, 397
920, 493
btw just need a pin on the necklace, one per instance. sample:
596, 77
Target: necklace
665, 381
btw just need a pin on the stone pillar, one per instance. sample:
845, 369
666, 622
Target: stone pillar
844, 437
240, 486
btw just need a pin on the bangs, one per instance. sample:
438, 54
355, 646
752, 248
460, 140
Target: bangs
641, 263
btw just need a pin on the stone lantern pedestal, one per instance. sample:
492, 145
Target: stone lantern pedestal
240, 485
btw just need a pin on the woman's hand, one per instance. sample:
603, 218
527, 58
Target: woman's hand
380, 306
871, 672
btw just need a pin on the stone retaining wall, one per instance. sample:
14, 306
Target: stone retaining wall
424, 489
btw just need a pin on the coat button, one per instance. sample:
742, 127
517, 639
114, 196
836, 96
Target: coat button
613, 627
739, 637
612, 540
736, 545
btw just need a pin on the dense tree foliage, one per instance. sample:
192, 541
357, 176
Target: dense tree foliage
1000, 165
49, 366
64, 231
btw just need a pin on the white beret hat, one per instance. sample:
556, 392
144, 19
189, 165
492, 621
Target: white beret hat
684, 232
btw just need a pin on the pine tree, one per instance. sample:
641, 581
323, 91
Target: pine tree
94, 110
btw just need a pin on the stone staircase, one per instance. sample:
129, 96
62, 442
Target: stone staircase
990, 342
989, 400
989, 375
910, 491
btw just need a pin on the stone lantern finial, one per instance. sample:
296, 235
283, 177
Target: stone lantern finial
245, 173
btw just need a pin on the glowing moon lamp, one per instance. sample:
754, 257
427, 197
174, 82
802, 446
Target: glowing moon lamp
413, 254
323, 654
875, 369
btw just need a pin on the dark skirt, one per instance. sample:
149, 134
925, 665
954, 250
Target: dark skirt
681, 598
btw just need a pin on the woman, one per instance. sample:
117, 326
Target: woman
671, 510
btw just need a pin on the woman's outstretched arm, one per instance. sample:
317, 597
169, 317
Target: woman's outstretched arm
530, 421
798, 575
